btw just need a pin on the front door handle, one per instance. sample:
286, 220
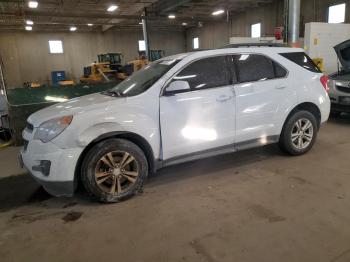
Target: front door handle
223, 98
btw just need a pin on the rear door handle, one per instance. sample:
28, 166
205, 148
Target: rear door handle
223, 98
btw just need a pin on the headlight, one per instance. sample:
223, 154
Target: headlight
52, 128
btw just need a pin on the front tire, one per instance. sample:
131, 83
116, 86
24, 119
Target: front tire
114, 170
299, 133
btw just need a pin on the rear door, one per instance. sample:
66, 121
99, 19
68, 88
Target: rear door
263, 95
203, 118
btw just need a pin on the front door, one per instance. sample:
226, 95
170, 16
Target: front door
202, 118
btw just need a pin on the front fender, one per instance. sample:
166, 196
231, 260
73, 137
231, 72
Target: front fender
91, 133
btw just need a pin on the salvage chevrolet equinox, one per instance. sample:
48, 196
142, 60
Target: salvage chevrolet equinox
177, 109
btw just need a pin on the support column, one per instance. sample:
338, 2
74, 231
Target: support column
293, 23
145, 33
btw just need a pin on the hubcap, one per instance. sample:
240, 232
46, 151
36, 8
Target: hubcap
116, 172
302, 133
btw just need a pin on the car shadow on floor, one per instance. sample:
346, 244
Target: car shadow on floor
23, 190
215, 165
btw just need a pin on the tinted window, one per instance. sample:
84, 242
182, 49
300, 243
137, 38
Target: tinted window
251, 68
302, 59
206, 73
279, 70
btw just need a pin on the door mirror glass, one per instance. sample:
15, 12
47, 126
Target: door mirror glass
177, 86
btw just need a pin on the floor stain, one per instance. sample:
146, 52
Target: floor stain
72, 216
201, 250
33, 216
266, 213
70, 204
300, 180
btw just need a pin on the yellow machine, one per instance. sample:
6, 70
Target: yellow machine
109, 67
105, 70
132, 67
319, 62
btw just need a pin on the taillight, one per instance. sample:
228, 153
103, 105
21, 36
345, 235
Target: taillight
324, 80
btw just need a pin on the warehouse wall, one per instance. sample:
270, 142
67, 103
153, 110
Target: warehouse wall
26, 55
213, 35
271, 15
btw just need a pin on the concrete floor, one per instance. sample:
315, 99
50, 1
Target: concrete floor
257, 205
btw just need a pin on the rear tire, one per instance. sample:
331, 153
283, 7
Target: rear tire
299, 133
114, 170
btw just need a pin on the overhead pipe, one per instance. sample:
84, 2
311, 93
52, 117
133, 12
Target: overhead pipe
293, 23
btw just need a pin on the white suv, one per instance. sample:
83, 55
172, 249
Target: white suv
177, 109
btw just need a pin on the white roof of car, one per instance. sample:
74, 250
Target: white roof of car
263, 50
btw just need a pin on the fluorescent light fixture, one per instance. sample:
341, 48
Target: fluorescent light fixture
33, 4
171, 16
90, 24
184, 24
112, 8
336, 14
28, 28
73, 28
256, 30
218, 12
56, 47
29, 22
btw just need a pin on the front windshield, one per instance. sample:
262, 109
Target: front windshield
142, 80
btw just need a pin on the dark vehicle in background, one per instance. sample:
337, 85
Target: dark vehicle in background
339, 82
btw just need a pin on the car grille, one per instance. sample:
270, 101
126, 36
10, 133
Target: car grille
29, 127
343, 89
25, 144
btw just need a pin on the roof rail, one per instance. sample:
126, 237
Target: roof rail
255, 45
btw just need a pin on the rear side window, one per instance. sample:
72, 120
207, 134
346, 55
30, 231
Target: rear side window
206, 73
253, 67
303, 60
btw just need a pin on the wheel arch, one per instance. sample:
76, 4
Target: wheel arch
307, 106
132, 137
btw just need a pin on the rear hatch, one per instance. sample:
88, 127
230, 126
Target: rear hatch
343, 53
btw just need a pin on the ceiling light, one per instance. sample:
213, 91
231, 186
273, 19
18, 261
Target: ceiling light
28, 28
33, 4
112, 8
90, 24
29, 22
218, 12
171, 16
184, 24
73, 28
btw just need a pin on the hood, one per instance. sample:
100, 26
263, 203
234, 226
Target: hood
73, 106
343, 53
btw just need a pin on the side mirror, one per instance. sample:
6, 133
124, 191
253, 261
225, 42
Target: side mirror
177, 86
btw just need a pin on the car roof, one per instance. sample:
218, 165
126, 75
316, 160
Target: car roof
231, 50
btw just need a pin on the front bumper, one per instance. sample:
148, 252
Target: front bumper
59, 179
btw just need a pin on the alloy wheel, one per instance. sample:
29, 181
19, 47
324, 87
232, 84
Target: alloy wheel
116, 172
302, 133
